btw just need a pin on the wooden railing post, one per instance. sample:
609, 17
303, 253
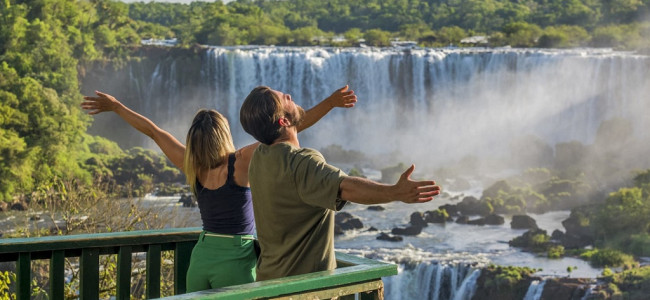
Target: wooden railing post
124, 256
57, 274
153, 272
23, 276
182, 255
89, 274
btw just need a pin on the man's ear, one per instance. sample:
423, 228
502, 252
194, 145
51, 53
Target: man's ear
284, 122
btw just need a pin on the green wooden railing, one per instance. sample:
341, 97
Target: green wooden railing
354, 276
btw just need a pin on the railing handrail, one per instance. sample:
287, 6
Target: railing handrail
354, 274
351, 270
97, 240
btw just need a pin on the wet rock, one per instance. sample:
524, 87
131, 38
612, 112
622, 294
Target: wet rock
411, 230
575, 225
557, 235
338, 230
565, 288
345, 221
436, 216
417, 219
372, 229
523, 222
451, 209
472, 206
479, 221
376, 208
494, 219
35, 217
19, 206
462, 220
188, 201
572, 241
391, 238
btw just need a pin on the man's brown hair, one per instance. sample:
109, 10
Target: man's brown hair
260, 114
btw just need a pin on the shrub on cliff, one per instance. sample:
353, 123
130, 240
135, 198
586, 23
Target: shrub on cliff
608, 258
503, 282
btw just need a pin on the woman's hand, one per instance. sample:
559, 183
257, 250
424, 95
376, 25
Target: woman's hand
103, 102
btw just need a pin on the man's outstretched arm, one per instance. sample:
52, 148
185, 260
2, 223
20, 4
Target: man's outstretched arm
364, 191
342, 97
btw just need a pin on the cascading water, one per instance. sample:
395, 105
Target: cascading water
435, 281
431, 106
442, 103
535, 290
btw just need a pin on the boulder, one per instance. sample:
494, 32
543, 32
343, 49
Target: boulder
411, 230
479, 221
346, 221
436, 216
417, 219
578, 224
462, 220
376, 208
18, 205
451, 209
4, 206
557, 235
565, 288
188, 200
523, 222
572, 241
494, 219
472, 206
391, 238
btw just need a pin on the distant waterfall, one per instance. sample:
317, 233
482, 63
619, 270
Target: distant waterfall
432, 281
442, 103
535, 290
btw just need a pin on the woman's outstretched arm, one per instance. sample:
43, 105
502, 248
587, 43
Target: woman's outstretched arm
173, 149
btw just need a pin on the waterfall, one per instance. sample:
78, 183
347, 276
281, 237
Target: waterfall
535, 290
432, 280
418, 103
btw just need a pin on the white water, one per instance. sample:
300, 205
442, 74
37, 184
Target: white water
535, 290
429, 107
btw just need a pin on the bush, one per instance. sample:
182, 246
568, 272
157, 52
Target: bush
556, 251
607, 258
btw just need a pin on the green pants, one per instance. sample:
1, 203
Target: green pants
221, 261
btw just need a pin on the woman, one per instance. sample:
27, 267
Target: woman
218, 176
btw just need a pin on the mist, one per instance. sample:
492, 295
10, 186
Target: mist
431, 107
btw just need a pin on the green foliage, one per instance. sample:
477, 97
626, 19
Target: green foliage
534, 240
607, 258
522, 34
633, 283
377, 37
555, 251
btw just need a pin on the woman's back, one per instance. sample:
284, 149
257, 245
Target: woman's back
224, 204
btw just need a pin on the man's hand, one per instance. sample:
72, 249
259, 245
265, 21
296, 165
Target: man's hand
104, 102
409, 191
342, 98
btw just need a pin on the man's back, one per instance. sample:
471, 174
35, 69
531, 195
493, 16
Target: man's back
294, 198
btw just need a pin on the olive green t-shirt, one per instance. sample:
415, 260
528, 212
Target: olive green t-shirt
294, 198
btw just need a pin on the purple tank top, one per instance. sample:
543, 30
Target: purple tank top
227, 209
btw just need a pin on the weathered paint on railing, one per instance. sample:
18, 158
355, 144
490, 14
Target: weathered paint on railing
354, 276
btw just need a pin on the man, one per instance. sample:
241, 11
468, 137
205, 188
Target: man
295, 192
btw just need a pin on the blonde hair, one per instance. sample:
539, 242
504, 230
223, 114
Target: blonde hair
208, 144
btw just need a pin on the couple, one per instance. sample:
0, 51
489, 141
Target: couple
293, 192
